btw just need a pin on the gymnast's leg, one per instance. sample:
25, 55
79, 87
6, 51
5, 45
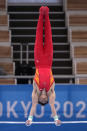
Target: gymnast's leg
38, 49
48, 46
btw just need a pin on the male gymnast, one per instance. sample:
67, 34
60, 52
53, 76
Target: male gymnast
43, 83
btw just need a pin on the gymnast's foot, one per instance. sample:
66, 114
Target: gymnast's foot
42, 10
46, 10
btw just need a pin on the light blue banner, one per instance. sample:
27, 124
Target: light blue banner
15, 103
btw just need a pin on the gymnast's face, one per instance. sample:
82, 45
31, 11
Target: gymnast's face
43, 98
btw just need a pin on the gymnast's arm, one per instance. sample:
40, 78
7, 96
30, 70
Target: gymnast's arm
52, 100
34, 104
34, 100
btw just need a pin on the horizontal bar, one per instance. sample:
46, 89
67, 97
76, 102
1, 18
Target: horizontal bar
63, 122
74, 122
11, 122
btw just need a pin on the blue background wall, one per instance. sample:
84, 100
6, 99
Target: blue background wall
15, 104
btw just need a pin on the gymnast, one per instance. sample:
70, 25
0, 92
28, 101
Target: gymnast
43, 83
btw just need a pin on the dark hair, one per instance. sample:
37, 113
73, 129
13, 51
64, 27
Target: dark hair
43, 104
42, 92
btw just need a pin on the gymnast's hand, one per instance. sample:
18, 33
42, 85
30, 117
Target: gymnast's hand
57, 122
28, 122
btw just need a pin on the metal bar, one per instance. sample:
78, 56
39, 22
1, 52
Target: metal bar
63, 122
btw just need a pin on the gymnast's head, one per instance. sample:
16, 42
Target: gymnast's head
43, 98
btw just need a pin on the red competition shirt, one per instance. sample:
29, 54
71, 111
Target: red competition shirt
44, 78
